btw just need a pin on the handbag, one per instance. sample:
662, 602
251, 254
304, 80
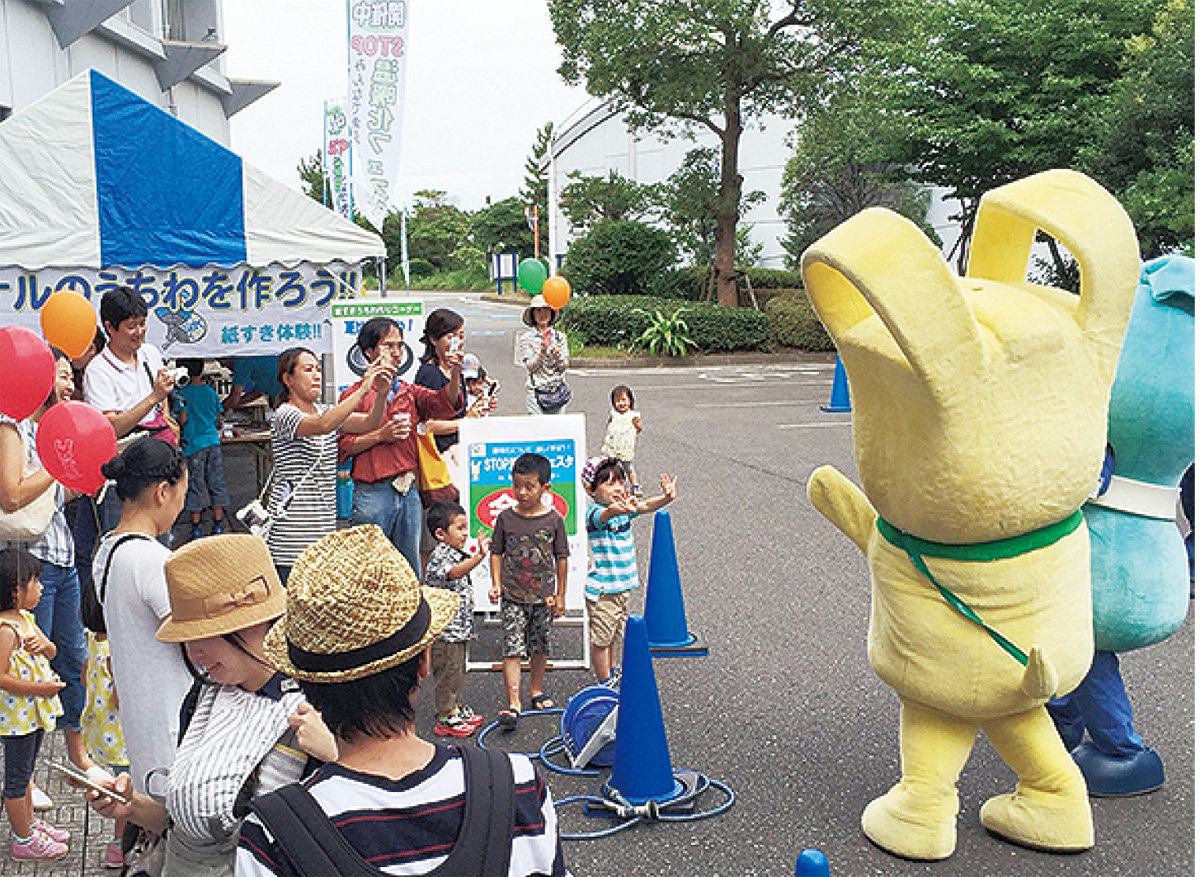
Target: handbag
433, 477
30, 522
552, 396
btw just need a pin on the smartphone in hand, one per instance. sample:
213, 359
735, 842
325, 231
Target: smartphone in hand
76, 775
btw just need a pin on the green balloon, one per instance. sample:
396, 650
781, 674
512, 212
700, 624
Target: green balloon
531, 274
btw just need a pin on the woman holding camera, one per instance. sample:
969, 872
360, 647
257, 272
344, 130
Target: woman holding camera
303, 499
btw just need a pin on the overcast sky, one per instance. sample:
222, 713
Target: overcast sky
481, 80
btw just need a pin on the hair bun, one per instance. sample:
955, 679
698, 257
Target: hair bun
114, 468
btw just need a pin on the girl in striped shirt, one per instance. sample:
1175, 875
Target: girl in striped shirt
613, 573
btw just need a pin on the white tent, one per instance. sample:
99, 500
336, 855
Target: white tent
98, 187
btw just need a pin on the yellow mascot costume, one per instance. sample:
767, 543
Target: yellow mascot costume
980, 415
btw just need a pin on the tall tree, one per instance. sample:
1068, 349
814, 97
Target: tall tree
588, 200
312, 176
501, 228
691, 201
1144, 147
535, 189
707, 64
833, 174
993, 91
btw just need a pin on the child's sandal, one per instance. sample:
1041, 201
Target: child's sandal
507, 718
541, 702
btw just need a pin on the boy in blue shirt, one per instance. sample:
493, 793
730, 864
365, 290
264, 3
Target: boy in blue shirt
198, 409
613, 572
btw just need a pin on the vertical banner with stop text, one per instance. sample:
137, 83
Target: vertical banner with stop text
378, 58
337, 157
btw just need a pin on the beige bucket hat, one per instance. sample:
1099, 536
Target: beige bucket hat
218, 585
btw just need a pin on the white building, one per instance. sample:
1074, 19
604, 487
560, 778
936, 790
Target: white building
166, 51
596, 140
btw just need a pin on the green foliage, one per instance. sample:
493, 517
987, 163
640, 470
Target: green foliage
587, 201
691, 201
667, 335
989, 91
311, 171
1144, 148
617, 320
694, 282
535, 189
712, 66
436, 229
618, 258
501, 228
831, 175
794, 324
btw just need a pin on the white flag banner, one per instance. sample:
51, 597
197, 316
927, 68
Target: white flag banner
337, 157
378, 58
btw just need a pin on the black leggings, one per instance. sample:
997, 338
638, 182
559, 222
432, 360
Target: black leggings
20, 756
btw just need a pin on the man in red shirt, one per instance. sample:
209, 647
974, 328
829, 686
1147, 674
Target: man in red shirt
385, 460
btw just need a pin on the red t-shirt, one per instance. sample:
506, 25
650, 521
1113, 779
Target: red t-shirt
385, 461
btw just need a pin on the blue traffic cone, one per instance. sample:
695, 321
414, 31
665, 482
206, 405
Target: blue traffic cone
666, 621
641, 762
812, 863
839, 396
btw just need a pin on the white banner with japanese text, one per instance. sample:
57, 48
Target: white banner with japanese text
337, 157
378, 57
202, 312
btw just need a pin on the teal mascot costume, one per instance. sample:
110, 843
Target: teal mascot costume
1140, 579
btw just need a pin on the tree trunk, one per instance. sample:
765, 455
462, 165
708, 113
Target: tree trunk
728, 199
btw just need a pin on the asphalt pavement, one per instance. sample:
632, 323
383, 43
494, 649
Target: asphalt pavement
785, 709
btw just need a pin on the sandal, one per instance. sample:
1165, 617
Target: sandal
507, 718
541, 701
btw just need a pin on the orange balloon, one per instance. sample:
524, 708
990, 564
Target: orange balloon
69, 322
557, 292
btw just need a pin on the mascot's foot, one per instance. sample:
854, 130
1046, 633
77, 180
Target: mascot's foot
1056, 822
1111, 776
912, 826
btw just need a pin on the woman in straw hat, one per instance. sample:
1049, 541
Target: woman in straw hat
356, 634
224, 595
542, 350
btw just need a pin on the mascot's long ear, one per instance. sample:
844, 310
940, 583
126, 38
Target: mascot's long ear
878, 262
1085, 218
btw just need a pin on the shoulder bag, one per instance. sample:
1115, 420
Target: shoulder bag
30, 522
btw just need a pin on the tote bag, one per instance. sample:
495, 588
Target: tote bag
30, 522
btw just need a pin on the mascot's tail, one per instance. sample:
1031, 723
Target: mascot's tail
839, 499
1040, 681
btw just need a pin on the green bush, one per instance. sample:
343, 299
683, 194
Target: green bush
794, 324
619, 258
690, 283
617, 320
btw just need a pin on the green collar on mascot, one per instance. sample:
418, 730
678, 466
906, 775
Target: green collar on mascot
918, 549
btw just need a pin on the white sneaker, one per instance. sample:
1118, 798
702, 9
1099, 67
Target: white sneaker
41, 801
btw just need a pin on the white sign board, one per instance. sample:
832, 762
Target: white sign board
488, 446
349, 364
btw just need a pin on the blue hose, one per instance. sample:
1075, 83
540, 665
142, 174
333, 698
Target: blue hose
648, 812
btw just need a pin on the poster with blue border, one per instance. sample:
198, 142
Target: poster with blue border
489, 446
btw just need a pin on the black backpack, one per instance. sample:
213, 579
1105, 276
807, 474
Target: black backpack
311, 844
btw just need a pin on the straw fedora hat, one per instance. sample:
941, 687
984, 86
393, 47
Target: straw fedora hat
354, 608
219, 585
538, 301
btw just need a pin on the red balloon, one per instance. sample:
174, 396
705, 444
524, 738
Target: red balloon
557, 292
27, 374
73, 441
69, 322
